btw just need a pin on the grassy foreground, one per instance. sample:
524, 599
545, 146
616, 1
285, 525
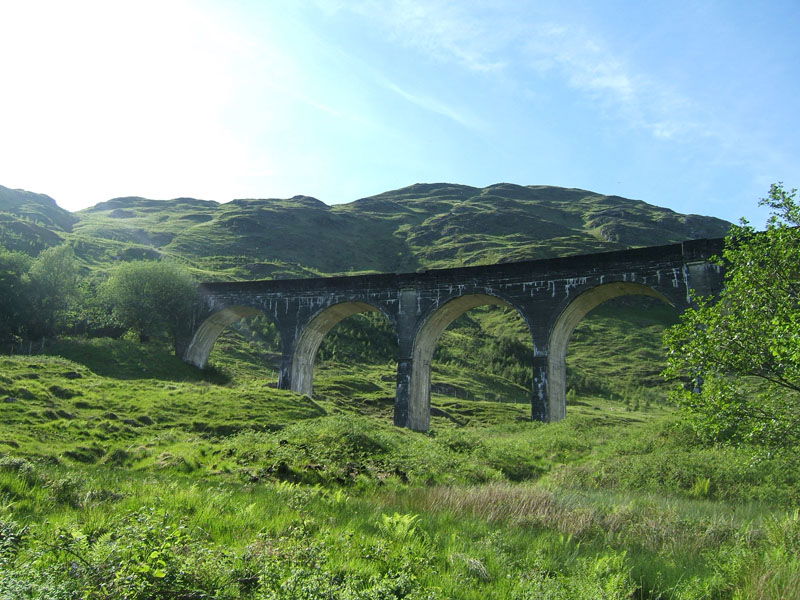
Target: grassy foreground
167, 482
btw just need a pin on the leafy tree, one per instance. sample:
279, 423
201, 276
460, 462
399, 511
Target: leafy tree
92, 315
151, 297
744, 347
52, 289
13, 302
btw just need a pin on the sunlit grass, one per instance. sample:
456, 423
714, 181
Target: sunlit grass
262, 490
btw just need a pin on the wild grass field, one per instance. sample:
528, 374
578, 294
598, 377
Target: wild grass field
125, 473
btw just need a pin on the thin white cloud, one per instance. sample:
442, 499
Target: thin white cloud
512, 40
435, 106
588, 65
529, 48
623, 92
450, 31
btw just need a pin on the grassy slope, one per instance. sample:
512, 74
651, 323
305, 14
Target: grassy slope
31, 222
612, 502
421, 226
127, 472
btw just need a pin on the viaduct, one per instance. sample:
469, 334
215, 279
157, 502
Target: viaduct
551, 295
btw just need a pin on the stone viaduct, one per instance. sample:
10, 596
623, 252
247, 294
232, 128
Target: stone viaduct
551, 295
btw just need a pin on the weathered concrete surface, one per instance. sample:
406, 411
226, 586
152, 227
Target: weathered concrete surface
551, 295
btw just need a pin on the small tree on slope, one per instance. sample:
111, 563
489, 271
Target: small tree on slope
745, 345
151, 297
52, 290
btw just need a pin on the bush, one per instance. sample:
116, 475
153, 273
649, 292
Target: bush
737, 357
350, 450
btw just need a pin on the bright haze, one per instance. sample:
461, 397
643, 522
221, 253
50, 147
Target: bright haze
689, 105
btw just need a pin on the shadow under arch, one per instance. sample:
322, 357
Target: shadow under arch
565, 324
200, 347
425, 340
309, 340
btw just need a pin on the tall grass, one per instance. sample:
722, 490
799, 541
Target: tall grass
152, 488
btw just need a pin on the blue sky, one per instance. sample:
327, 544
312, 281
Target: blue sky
693, 105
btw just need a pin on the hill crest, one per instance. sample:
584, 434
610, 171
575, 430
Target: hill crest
424, 225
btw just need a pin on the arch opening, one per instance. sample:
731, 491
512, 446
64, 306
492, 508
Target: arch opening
564, 327
425, 344
249, 349
317, 329
205, 337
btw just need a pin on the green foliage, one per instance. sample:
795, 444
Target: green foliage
37, 294
366, 337
399, 526
420, 226
267, 498
151, 296
292, 541
614, 351
349, 451
122, 359
14, 308
744, 347
53, 287
129, 474
495, 338
668, 458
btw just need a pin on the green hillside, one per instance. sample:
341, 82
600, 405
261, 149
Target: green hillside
125, 473
421, 226
417, 227
32, 222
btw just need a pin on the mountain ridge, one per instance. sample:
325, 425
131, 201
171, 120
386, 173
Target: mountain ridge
424, 225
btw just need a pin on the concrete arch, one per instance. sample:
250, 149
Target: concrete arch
419, 400
311, 336
206, 335
565, 324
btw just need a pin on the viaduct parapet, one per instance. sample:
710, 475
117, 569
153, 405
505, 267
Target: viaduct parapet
551, 295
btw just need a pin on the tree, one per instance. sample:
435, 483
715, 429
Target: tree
742, 349
52, 289
151, 297
13, 303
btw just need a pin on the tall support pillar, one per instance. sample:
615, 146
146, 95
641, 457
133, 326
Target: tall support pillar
406, 415
548, 399
285, 373
402, 394
288, 337
540, 410
419, 397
